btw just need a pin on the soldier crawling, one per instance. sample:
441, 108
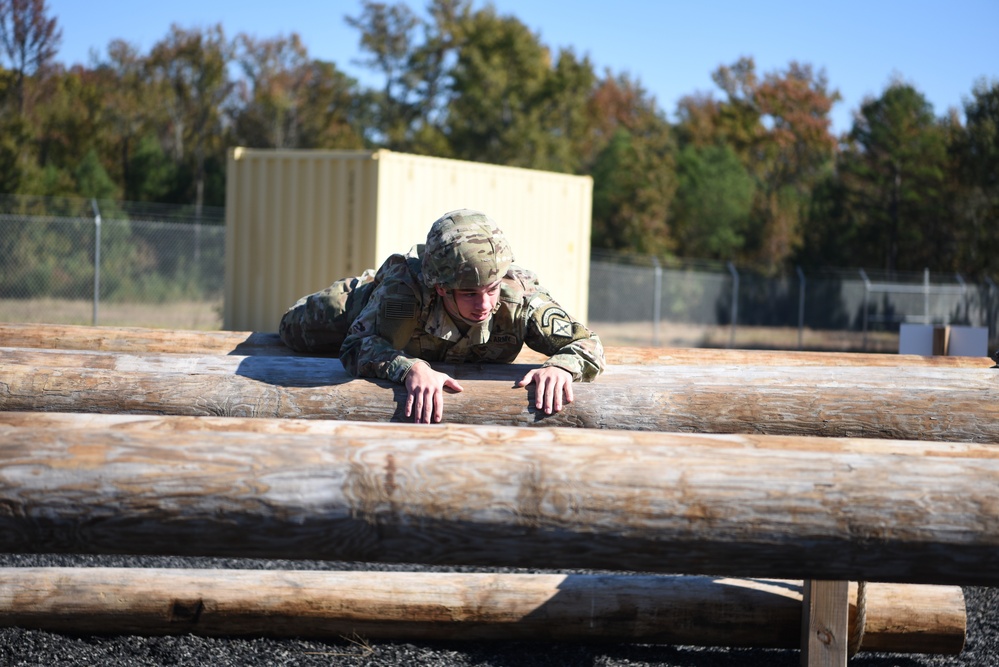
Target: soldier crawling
457, 298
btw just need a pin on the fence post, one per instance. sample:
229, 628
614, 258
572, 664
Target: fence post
656, 304
990, 308
801, 306
735, 302
867, 291
97, 259
926, 296
964, 298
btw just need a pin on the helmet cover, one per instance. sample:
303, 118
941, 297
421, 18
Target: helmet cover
465, 249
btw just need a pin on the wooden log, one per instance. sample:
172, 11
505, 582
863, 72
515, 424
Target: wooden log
823, 508
902, 618
246, 343
946, 404
140, 339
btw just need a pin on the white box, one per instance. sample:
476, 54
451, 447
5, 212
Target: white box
968, 342
916, 339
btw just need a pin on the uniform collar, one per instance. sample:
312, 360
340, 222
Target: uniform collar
440, 324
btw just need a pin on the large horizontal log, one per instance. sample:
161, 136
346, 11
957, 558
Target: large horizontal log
809, 508
955, 404
900, 618
245, 343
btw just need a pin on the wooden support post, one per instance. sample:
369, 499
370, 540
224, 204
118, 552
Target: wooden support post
941, 341
825, 610
401, 606
762, 506
918, 403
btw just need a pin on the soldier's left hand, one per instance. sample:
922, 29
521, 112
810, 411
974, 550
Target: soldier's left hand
553, 390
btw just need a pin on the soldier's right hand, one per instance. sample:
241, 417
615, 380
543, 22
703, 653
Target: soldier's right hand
425, 393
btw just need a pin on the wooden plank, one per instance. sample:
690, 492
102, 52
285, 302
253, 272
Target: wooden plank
138, 340
945, 404
872, 510
460, 607
825, 611
941, 340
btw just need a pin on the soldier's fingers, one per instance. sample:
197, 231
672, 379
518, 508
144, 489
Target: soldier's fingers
423, 414
438, 406
557, 394
549, 395
567, 392
418, 406
539, 392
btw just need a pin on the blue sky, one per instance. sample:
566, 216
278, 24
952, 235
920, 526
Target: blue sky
942, 48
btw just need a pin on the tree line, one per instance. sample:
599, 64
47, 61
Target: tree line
750, 172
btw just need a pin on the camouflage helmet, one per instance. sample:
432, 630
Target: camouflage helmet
465, 249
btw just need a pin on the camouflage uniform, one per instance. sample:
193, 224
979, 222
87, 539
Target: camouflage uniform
403, 319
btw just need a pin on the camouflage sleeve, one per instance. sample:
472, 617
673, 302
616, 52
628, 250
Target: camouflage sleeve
374, 344
571, 346
318, 323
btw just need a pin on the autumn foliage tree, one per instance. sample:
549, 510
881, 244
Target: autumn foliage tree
412, 56
190, 70
512, 102
631, 156
29, 39
779, 128
288, 100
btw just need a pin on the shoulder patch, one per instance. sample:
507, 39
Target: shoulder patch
398, 309
556, 322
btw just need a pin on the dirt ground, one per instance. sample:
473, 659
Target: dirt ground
743, 337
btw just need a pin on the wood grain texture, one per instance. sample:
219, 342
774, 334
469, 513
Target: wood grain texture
139, 340
825, 623
761, 506
945, 404
462, 607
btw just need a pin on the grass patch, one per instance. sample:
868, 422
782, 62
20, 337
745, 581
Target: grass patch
196, 315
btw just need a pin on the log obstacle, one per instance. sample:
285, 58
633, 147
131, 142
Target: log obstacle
759, 506
750, 613
931, 403
824, 609
137, 340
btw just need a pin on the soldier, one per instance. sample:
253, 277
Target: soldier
457, 298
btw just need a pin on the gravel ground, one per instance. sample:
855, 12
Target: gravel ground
19, 647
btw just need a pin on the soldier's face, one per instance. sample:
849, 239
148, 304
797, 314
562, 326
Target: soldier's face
475, 304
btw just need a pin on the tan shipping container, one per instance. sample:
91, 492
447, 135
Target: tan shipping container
297, 220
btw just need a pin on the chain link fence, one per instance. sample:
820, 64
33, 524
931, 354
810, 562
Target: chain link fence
704, 304
71, 261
